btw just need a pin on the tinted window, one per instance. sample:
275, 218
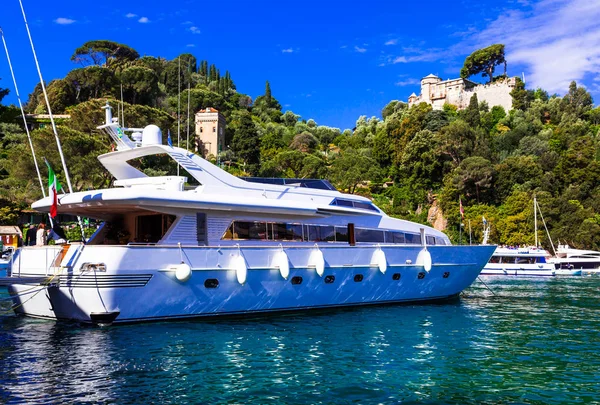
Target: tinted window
341, 234
430, 240
369, 235
439, 241
344, 203
399, 237
364, 206
413, 238
287, 232
327, 233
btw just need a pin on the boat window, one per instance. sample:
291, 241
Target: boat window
399, 237
354, 204
396, 276
439, 241
430, 240
151, 228
211, 283
413, 238
341, 234
286, 232
296, 280
342, 203
494, 259
249, 230
329, 279
507, 259
327, 233
358, 278
369, 235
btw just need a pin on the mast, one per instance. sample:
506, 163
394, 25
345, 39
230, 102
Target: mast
60, 151
37, 169
535, 220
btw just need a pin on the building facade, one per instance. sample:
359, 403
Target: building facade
210, 132
458, 92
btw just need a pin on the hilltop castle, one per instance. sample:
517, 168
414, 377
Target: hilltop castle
458, 92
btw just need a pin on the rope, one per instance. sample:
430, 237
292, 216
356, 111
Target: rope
486, 286
33, 296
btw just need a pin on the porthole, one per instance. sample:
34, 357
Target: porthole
358, 278
211, 283
446, 274
329, 279
421, 275
296, 280
396, 276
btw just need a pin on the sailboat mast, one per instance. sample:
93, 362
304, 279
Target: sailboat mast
60, 151
535, 220
178, 106
37, 169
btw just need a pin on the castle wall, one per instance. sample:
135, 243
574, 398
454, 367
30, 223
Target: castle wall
459, 92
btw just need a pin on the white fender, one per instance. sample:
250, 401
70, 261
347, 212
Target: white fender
317, 260
379, 260
238, 263
424, 259
280, 260
183, 272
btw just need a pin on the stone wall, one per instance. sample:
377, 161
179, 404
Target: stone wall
497, 93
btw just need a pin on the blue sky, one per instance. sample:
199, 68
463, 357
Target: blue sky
327, 60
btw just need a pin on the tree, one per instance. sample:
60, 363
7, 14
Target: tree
140, 85
351, 168
104, 53
246, 143
3, 93
484, 61
268, 97
473, 177
471, 114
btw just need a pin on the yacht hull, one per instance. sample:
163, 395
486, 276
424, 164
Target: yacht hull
140, 283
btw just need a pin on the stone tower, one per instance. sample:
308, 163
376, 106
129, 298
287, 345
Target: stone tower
210, 132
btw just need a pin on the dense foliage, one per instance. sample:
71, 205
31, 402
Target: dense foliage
413, 162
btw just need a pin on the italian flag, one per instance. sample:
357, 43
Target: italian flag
53, 188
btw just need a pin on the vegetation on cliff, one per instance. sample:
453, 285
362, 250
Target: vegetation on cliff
493, 160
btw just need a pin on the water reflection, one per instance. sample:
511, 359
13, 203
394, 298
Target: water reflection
529, 343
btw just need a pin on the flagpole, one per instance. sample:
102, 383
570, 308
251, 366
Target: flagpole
60, 151
178, 105
37, 168
470, 240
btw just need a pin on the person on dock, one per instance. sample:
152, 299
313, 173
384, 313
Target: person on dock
41, 235
30, 236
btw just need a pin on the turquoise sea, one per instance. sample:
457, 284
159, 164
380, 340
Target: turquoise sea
530, 342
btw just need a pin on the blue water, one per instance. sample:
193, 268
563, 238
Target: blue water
534, 342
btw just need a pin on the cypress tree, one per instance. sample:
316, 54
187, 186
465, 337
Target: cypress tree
472, 116
268, 98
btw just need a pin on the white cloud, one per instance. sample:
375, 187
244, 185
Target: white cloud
391, 42
64, 21
144, 20
191, 45
556, 40
359, 49
194, 30
288, 50
130, 15
408, 82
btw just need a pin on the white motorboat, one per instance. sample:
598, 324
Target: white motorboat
228, 247
571, 261
527, 261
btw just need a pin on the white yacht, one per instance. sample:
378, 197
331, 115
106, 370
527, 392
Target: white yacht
576, 261
527, 261
228, 247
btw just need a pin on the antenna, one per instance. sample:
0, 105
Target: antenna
37, 169
178, 105
60, 151
122, 108
535, 221
187, 139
